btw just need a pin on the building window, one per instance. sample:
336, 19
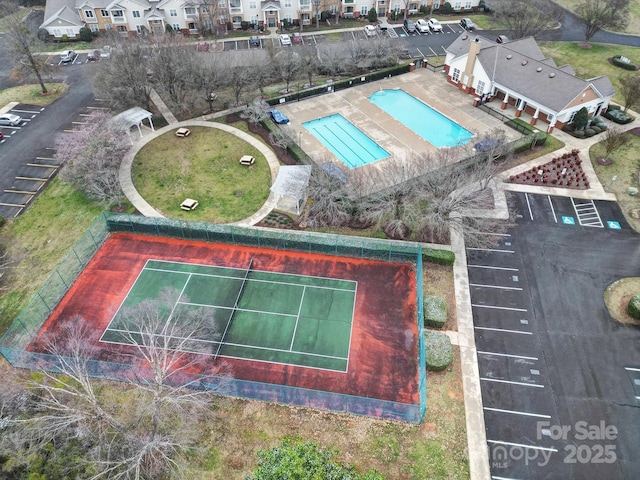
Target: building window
253, 5
287, 3
457, 6
192, 26
436, 4
173, 12
204, 9
88, 14
136, 14
255, 19
108, 26
456, 75
333, 9
176, 27
364, 10
122, 28
480, 87
139, 28
117, 14
222, 4
104, 13
93, 27
70, 32
288, 18
467, 6
190, 10
57, 32
397, 8
573, 114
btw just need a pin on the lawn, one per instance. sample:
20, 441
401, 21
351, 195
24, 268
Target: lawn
205, 167
634, 13
32, 94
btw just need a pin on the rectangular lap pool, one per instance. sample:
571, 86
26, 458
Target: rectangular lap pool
431, 125
345, 140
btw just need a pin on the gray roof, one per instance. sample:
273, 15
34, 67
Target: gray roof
61, 9
522, 67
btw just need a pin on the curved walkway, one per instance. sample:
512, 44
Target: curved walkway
143, 206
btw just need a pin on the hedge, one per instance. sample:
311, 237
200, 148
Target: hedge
618, 116
440, 257
633, 308
435, 311
439, 350
623, 62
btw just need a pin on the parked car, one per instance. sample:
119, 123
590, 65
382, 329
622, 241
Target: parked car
502, 39
434, 25
422, 26
297, 38
254, 41
93, 56
409, 26
383, 26
278, 117
10, 119
68, 56
285, 39
370, 30
467, 24
106, 52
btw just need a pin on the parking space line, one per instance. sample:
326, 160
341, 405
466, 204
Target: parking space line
631, 369
45, 158
491, 329
99, 108
526, 196
489, 267
511, 382
35, 179
553, 210
13, 205
497, 307
23, 192
509, 355
42, 165
25, 111
494, 286
526, 414
497, 250
533, 447
493, 477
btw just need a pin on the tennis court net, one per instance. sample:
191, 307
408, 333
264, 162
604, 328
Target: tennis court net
235, 308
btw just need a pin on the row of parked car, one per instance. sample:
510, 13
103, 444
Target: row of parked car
433, 25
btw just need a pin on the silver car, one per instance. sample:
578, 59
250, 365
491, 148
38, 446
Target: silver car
10, 119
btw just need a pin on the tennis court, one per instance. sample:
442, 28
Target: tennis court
248, 313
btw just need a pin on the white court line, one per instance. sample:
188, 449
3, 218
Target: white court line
295, 328
503, 330
489, 267
526, 414
493, 286
491, 250
631, 369
496, 307
553, 210
533, 447
508, 355
526, 195
511, 383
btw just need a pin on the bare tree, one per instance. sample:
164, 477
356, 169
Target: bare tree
287, 64
256, 111
599, 14
91, 158
332, 58
525, 18
309, 62
23, 45
283, 136
614, 139
630, 90
331, 198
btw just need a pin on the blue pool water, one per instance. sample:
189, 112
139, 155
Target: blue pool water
431, 125
345, 140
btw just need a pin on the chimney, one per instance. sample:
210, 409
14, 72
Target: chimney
474, 50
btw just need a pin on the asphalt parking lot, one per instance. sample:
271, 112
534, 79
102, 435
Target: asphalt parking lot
559, 376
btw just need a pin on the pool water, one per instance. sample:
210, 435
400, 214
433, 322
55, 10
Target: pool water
431, 125
345, 140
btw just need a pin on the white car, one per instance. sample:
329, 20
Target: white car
10, 119
422, 26
68, 56
370, 30
285, 39
434, 25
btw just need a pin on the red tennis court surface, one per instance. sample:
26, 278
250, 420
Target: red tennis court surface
384, 343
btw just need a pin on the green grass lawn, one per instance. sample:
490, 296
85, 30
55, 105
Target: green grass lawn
32, 94
205, 167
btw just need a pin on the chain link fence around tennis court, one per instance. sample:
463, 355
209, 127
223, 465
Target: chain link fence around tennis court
14, 344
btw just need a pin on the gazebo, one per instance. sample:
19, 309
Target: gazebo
292, 182
132, 117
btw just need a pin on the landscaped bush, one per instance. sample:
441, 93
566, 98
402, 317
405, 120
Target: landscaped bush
85, 34
435, 311
439, 351
589, 132
578, 133
440, 257
618, 116
633, 308
623, 62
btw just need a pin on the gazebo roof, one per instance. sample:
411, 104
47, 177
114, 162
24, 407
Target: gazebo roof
132, 117
292, 181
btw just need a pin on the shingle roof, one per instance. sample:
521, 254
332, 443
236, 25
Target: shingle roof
65, 12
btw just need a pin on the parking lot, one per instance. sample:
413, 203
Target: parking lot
549, 354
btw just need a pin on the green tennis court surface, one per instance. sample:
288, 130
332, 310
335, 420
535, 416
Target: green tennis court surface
248, 313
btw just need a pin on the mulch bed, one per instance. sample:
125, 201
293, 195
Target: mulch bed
564, 171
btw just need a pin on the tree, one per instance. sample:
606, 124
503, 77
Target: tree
287, 65
630, 90
372, 15
332, 200
304, 461
22, 44
581, 118
91, 158
525, 18
599, 14
308, 61
614, 139
283, 136
256, 111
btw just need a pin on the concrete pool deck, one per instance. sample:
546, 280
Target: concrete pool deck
386, 131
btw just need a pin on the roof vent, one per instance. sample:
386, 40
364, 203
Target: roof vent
509, 57
464, 37
524, 62
539, 69
551, 75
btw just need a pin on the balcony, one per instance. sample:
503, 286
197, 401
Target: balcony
118, 20
235, 9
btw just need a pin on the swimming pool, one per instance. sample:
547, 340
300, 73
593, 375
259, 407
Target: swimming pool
431, 125
345, 140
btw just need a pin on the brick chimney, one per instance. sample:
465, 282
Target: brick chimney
467, 76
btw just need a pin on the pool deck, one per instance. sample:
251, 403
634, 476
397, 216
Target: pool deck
401, 142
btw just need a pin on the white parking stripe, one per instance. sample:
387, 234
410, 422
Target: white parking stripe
511, 383
555, 219
507, 355
494, 286
632, 369
24, 111
526, 414
503, 330
533, 447
526, 195
491, 250
489, 267
497, 307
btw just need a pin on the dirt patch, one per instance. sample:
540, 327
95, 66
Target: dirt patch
617, 296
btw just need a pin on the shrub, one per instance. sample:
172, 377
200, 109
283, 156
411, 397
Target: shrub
435, 311
579, 134
168, 28
618, 116
633, 308
589, 132
446, 8
64, 38
439, 351
43, 35
373, 15
596, 129
623, 62
85, 35
440, 257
